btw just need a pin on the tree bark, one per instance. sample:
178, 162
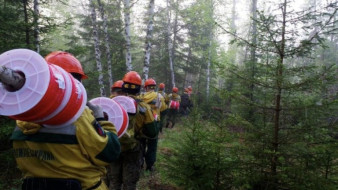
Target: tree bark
148, 40
127, 33
36, 26
107, 41
170, 45
97, 49
253, 59
26, 22
279, 86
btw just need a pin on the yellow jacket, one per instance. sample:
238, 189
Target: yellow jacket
77, 151
141, 125
164, 105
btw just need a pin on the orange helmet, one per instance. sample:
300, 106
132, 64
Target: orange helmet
175, 89
132, 77
66, 61
117, 84
162, 86
150, 82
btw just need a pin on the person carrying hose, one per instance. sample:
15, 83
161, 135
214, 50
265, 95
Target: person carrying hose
67, 157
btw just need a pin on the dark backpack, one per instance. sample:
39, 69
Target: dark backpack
185, 101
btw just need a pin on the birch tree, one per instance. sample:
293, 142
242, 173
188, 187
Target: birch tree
36, 26
106, 37
146, 62
170, 46
97, 48
127, 34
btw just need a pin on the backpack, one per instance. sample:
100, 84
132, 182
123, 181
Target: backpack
174, 104
185, 101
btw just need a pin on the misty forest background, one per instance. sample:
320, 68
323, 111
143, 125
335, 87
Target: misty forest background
263, 73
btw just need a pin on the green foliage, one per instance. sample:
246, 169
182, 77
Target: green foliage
203, 157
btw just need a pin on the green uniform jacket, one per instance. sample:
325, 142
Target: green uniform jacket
77, 151
141, 125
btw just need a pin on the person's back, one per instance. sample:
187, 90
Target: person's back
70, 156
174, 104
78, 151
125, 172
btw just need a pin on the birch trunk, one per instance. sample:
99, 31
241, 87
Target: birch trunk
97, 49
106, 37
170, 45
127, 33
36, 25
148, 40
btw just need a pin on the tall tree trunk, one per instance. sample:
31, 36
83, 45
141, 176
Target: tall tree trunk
279, 86
36, 26
170, 46
97, 48
148, 40
127, 33
175, 30
26, 21
253, 59
187, 82
107, 41
208, 69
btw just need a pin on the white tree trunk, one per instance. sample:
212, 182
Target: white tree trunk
127, 33
208, 69
148, 40
106, 37
97, 48
36, 26
170, 46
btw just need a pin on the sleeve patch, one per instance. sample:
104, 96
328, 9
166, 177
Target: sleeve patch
99, 129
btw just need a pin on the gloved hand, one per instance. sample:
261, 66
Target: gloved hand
97, 110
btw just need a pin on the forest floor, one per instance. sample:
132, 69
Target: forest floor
155, 180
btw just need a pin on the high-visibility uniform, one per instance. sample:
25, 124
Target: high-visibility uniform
126, 170
77, 151
172, 113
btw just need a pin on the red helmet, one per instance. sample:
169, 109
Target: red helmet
66, 61
150, 82
175, 89
117, 84
162, 86
132, 77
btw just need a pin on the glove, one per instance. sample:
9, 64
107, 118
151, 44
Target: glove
97, 110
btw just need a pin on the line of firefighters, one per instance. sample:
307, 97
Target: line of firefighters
77, 156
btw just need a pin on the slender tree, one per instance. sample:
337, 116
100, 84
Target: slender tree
127, 33
146, 62
25, 4
170, 46
107, 41
36, 25
97, 48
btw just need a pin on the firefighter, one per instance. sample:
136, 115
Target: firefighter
70, 157
164, 107
174, 104
126, 170
116, 89
186, 103
154, 99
